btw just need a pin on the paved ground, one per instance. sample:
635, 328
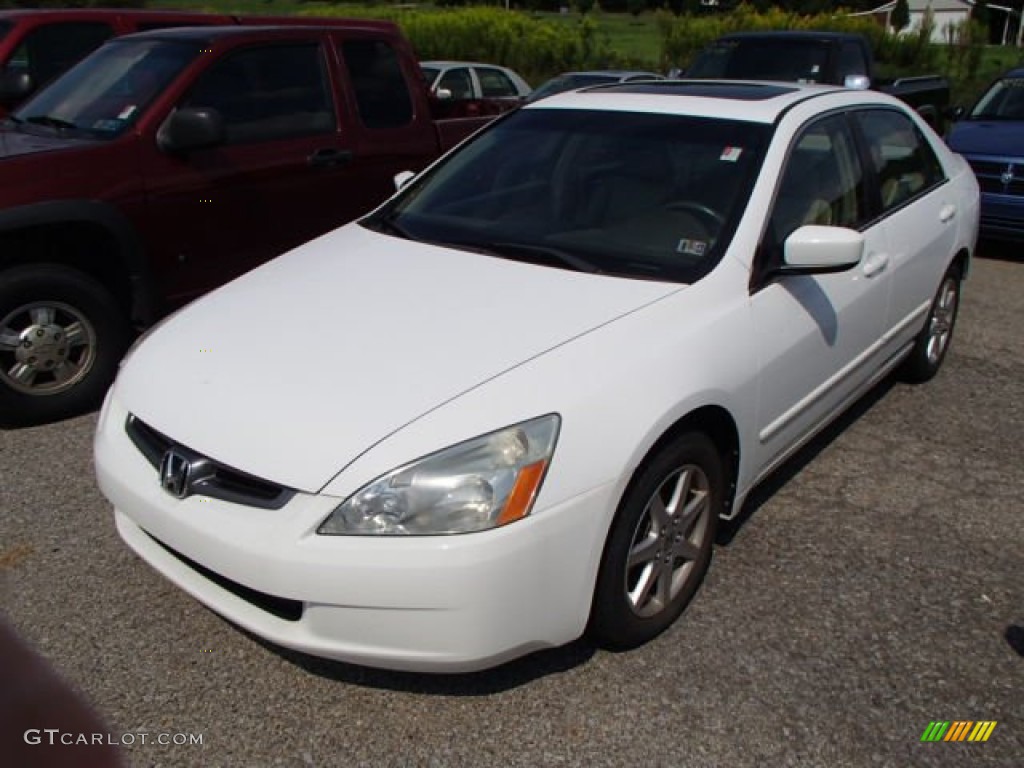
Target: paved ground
877, 585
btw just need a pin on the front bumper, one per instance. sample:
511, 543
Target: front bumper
1002, 217
438, 603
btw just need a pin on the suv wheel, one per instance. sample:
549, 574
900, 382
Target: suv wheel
61, 337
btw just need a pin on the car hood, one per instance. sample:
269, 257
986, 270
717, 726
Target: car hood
294, 370
987, 137
14, 143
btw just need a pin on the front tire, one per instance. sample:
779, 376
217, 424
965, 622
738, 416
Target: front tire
61, 337
933, 341
659, 546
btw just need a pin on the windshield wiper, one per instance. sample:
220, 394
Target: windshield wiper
52, 122
546, 254
389, 226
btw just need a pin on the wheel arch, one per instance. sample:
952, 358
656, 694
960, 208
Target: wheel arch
87, 235
962, 261
719, 425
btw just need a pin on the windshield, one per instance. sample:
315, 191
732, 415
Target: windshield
791, 61
639, 195
1003, 101
104, 94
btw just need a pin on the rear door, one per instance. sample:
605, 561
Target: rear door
391, 129
281, 178
918, 211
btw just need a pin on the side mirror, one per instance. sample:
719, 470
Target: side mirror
857, 82
815, 249
443, 94
403, 178
191, 128
14, 86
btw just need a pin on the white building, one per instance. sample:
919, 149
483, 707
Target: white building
945, 13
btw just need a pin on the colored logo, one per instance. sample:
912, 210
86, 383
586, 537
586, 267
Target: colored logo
958, 730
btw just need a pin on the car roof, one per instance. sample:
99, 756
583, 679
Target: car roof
99, 13
460, 64
752, 101
609, 73
204, 34
792, 34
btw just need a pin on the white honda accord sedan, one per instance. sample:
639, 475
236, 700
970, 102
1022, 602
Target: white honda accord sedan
512, 404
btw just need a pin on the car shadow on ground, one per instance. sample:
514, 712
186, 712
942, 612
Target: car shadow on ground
508, 676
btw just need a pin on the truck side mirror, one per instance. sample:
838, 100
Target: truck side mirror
954, 113
857, 82
14, 86
403, 178
191, 128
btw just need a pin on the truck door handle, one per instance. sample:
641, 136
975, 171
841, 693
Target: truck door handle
875, 263
329, 157
947, 213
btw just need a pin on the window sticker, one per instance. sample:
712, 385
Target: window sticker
731, 154
692, 247
127, 112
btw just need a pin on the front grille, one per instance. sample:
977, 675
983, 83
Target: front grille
283, 608
990, 176
207, 477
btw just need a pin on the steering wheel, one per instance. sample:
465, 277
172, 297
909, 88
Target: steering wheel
703, 213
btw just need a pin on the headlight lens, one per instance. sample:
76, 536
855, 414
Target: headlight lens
482, 483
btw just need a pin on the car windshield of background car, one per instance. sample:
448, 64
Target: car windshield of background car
1003, 101
104, 94
650, 196
784, 60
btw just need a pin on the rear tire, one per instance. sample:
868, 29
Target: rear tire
932, 343
659, 546
62, 335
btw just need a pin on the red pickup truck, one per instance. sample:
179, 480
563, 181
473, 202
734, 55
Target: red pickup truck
168, 162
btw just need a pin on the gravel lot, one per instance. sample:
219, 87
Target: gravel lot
876, 585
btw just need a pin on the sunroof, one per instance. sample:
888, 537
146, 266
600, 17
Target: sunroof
706, 88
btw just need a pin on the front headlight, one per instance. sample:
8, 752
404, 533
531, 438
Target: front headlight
482, 483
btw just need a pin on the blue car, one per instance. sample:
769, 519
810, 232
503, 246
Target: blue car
991, 138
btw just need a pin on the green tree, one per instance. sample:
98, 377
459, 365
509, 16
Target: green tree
900, 17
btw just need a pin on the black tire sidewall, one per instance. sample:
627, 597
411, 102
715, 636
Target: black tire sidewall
26, 284
613, 624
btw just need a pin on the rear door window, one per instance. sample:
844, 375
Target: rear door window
905, 164
381, 91
495, 84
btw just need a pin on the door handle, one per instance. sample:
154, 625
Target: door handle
947, 213
329, 157
875, 263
